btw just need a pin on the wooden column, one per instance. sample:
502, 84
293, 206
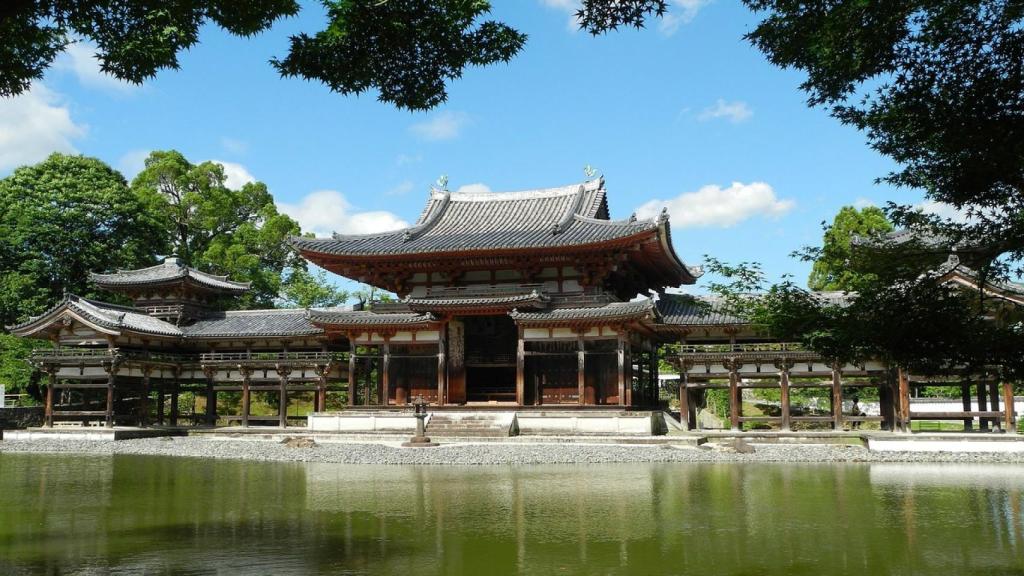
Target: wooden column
982, 405
385, 373
442, 364
246, 373
111, 374
629, 372
837, 397
50, 385
903, 403
581, 370
144, 396
1010, 422
786, 423
368, 374
210, 372
735, 397
352, 374
520, 368
322, 373
965, 400
282, 400
993, 399
175, 391
161, 399
620, 354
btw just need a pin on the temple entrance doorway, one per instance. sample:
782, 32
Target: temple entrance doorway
490, 344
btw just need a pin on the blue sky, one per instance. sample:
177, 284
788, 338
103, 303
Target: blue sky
684, 114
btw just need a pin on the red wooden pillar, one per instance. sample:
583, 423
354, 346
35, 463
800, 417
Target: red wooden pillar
52, 371
385, 373
620, 354
144, 396
442, 363
283, 370
520, 368
581, 372
246, 373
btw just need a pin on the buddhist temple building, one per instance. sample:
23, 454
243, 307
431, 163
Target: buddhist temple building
531, 300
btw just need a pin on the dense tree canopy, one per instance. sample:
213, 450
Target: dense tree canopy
236, 232
938, 86
833, 265
60, 220
408, 50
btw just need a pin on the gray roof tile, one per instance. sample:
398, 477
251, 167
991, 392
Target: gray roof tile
636, 309
170, 270
254, 323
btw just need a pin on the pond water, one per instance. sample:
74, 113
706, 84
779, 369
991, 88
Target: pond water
153, 515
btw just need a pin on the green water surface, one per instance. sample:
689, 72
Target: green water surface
154, 515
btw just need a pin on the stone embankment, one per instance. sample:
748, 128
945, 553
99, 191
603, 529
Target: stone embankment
464, 453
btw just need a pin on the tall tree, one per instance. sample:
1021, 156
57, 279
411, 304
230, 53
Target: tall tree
61, 219
217, 229
937, 85
834, 265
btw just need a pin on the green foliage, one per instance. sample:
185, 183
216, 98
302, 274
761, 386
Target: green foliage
834, 263
304, 289
407, 49
15, 371
216, 229
134, 40
61, 219
601, 16
937, 85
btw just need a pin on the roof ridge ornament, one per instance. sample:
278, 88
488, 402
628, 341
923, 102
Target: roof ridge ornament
663, 217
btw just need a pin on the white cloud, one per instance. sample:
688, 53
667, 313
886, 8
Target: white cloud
862, 203
404, 187
325, 211
681, 12
443, 126
236, 174
714, 206
80, 59
33, 125
234, 146
477, 188
405, 159
132, 162
942, 210
735, 112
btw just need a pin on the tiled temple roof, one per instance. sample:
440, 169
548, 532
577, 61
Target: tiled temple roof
170, 270
254, 323
489, 298
364, 318
952, 266
454, 222
105, 316
643, 309
686, 309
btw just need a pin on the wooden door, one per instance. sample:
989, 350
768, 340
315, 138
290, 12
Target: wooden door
456, 362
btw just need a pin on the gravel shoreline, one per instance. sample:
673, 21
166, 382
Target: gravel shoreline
486, 453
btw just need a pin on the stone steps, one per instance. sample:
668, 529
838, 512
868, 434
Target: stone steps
443, 425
